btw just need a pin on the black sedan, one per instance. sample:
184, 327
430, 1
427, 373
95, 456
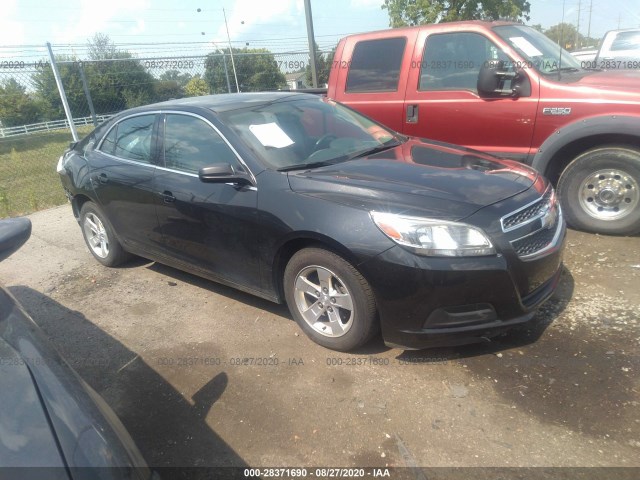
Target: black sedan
297, 198
52, 424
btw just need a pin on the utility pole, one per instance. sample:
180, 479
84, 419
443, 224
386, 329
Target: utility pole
312, 43
233, 63
576, 44
590, 11
224, 55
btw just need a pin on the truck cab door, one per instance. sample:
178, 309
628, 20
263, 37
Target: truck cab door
442, 100
369, 75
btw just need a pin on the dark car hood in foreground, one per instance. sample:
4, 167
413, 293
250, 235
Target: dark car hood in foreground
25, 433
418, 178
46, 408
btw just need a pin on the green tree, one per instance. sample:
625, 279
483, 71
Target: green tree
171, 84
564, 34
323, 67
256, 69
47, 89
175, 76
196, 87
16, 106
404, 13
115, 78
166, 90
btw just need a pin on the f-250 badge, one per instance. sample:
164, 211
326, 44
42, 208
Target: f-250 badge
556, 111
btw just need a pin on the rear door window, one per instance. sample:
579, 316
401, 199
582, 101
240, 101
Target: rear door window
131, 139
375, 65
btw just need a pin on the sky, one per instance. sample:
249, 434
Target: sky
277, 24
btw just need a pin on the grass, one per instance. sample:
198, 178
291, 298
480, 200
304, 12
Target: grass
28, 178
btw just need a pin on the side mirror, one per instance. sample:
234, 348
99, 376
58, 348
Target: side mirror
223, 173
493, 76
14, 232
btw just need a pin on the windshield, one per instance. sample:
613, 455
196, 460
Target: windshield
539, 50
306, 132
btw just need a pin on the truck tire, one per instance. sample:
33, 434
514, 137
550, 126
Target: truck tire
599, 190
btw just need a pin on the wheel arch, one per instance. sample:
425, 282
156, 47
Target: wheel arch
77, 202
555, 154
294, 244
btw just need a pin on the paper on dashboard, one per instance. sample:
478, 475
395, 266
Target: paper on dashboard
271, 135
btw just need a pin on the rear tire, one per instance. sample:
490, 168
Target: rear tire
100, 238
330, 300
600, 191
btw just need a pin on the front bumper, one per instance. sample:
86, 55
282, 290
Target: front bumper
433, 301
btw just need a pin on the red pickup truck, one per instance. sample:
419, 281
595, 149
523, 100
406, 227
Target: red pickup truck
506, 89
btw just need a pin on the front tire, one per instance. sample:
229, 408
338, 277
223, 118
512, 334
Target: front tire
99, 236
600, 191
329, 299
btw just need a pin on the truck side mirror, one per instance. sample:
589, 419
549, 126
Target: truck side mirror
493, 76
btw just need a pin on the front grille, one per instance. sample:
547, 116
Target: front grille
542, 220
529, 213
535, 242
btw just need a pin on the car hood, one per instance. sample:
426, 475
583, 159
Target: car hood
87, 432
419, 177
26, 438
621, 80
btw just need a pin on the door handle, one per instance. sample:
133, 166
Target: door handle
412, 113
103, 178
167, 197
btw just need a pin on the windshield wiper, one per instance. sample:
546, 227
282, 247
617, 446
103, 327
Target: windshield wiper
343, 158
308, 166
374, 150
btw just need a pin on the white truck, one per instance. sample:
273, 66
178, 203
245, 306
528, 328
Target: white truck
619, 50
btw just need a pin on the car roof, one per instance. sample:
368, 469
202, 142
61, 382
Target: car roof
223, 102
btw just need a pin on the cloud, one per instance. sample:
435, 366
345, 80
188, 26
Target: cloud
11, 31
251, 15
95, 16
139, 28
368, 4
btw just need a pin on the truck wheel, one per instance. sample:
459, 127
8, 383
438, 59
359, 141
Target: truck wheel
329, 299
599, 191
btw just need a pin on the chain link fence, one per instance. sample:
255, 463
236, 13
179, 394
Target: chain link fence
28, 157
34, 130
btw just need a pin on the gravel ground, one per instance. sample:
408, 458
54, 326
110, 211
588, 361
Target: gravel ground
166, 350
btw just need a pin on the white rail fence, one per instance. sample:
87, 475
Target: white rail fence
49, 126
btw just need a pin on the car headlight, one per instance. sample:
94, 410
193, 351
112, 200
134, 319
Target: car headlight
434, 237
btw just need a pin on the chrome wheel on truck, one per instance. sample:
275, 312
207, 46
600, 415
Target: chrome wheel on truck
609, 194
599, 191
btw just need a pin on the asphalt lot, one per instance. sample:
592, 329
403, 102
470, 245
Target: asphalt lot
203, 375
